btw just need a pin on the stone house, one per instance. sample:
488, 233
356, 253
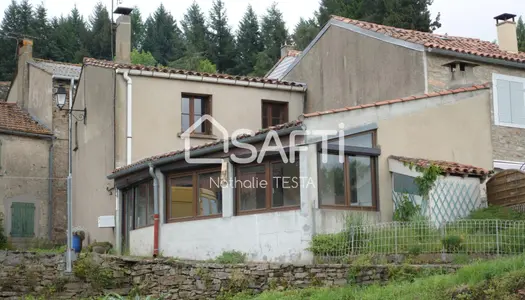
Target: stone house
352, 62
134, 112
271, 208
32, 93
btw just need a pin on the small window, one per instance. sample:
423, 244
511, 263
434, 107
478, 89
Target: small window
509, 101
274, 113
139, 205
193, 195
351, 183
268, 186
193, 107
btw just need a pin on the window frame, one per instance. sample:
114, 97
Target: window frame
195, 194
268, 191
270, 104
355, 151
208, 111
131, 190
495, 100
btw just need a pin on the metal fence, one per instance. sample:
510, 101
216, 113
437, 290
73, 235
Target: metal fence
463, 236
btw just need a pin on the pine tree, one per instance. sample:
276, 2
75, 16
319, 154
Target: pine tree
42, 46
222, 44
304, 33
273, 32
25, 18
77, 35
8, 46
163, 37
100, 36
520, 31
137, 29
248, 43
195, 31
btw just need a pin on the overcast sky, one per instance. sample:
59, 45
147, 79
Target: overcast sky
469, 18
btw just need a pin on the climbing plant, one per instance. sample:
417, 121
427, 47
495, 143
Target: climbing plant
427, 180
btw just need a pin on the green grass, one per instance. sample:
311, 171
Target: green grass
501, 278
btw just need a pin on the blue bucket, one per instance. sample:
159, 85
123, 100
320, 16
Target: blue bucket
77, 244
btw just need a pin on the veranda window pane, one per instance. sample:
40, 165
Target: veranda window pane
252, 195
210, 197
151, 212
181, 197
362, 140
285, 184
331, 181
360, 181
141, 204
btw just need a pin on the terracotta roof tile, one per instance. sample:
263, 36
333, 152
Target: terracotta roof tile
448, 167
113, 65
173, 153
405, 99
12, 117
431, 40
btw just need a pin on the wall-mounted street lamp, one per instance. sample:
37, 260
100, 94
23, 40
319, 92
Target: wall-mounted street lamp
60, 98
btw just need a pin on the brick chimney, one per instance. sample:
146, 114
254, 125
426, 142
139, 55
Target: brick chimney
123, 35
507, 37
25, 55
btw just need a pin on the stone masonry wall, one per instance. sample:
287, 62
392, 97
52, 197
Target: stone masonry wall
24, 273
508, 143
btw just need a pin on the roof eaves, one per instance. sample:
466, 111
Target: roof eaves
476, 58
398, 100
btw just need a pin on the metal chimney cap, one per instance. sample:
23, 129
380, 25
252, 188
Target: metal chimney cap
121, 10
505, 17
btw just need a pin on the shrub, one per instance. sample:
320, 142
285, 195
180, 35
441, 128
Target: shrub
231, 257
3, 238
453, 243
406, 209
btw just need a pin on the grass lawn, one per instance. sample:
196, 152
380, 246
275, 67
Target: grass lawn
496, 279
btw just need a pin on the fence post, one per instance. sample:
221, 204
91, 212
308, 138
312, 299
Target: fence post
395, 237
497, 237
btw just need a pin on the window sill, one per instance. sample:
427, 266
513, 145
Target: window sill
265, 210
189, 219
200, 136
509, 125
355, 208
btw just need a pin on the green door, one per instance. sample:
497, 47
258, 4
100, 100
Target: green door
22, 219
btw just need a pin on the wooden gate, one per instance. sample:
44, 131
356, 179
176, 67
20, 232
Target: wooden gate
507, 188
22, 219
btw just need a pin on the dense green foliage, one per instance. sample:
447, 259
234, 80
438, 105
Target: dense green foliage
497, 213
520, 30
497, 279
231, 257
3, 237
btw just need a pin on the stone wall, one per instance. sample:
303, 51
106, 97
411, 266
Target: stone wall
24, 273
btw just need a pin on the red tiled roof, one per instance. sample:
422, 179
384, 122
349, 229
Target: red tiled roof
405, 99
430, 40
113, 65
12, 117
451, 168
207, 145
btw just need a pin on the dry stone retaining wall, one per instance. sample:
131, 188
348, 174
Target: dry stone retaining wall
24, 273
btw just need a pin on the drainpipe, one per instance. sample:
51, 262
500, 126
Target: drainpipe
128, 118
69, 182
50, 191
155, 210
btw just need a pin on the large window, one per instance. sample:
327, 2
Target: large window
509, 100
193, 108
267, 186
138, 205
194, 195
274, 113
352, 182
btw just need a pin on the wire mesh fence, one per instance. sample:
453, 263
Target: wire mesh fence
424, 237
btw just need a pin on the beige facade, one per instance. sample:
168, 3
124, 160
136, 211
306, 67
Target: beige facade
345, 68
156, 129
452, 128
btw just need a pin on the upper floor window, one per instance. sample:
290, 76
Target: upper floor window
352, 183
509, 100
274, 113
193, 108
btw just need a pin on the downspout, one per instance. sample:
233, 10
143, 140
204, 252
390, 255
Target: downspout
50, 191
155, 210
128, 117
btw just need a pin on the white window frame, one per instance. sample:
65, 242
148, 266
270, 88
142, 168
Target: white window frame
495, 77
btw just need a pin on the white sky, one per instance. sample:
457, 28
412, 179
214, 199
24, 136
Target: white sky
469, 18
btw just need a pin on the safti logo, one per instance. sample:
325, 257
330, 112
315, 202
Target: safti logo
272, 143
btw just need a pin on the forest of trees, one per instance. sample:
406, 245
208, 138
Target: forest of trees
199, 41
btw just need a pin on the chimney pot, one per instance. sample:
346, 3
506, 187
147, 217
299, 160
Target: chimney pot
507, 37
